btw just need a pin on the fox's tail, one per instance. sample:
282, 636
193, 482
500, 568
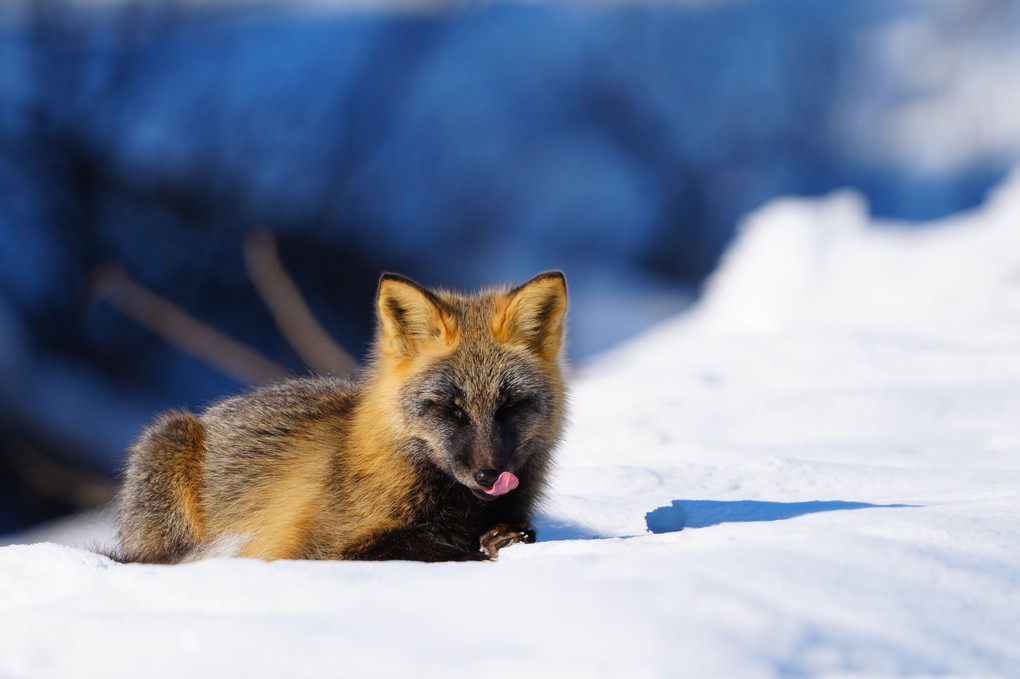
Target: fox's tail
159, 512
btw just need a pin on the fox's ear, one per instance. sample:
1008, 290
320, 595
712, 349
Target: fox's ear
532, 315
411, 317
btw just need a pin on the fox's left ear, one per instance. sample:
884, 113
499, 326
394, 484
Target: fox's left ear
532, 315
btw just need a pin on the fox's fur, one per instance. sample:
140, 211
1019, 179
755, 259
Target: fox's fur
459, 388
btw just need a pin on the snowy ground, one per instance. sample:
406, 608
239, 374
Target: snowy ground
835, 430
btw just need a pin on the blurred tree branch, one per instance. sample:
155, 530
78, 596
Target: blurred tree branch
290, 312
53, 481
183, 330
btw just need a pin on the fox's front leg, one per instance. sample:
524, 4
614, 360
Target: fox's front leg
504, 535
412, 545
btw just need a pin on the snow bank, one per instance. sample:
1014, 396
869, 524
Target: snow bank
827, 450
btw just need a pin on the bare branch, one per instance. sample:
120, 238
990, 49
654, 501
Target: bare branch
183, 330
289, 310
54, 481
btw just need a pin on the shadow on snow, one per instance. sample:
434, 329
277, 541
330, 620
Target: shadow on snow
703, 513
551, 529
683, 514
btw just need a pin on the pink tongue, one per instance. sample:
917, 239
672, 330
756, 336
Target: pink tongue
504, 484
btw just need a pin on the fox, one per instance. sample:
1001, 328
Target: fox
439, 451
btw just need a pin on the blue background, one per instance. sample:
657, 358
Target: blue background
464, 147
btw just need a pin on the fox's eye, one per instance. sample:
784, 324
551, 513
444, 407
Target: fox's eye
514, 406
449, 412
456, 414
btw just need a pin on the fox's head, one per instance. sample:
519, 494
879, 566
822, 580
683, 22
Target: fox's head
475, 380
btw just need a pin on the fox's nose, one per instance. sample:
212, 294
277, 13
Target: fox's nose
486, 477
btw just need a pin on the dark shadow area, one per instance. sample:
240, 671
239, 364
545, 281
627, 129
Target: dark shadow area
703, 513
550, 529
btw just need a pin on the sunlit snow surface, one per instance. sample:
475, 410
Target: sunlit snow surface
828, 449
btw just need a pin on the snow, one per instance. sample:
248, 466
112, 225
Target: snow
826, 447
931, 124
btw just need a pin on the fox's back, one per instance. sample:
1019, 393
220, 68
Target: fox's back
269, 458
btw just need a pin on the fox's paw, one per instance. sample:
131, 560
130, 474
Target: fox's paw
504, 535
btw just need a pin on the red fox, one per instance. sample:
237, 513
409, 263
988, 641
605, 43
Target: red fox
439, 453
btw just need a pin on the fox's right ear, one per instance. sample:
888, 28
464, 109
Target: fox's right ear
411, 317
